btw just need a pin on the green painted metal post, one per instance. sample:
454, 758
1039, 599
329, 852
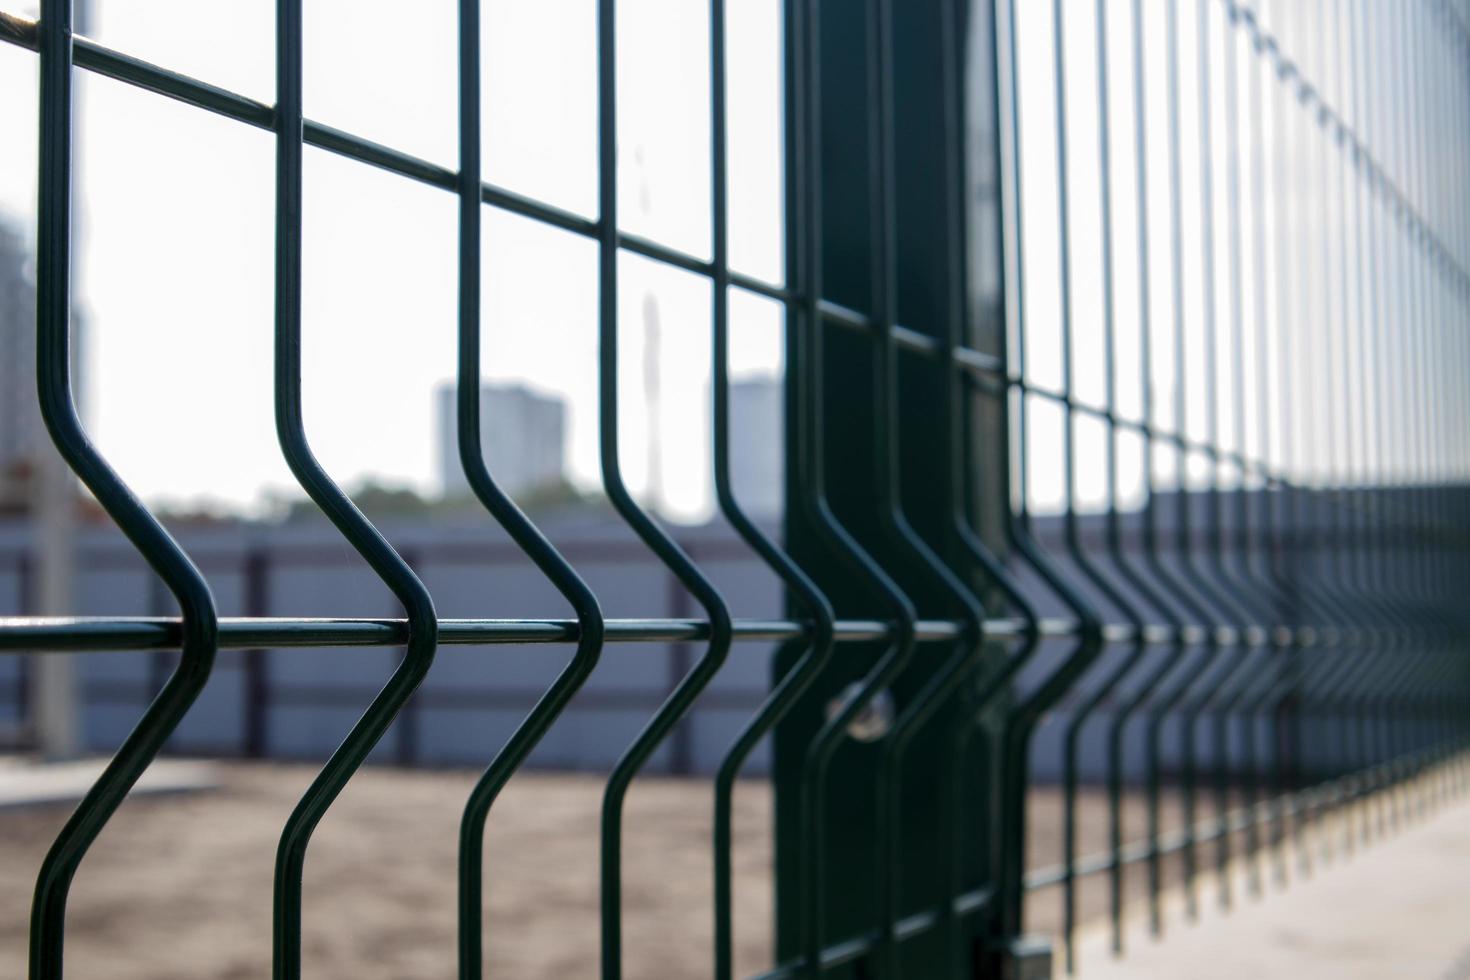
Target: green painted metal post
930, 912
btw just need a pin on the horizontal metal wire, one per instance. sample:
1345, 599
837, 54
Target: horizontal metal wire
96, 634
1331, 793
1289, 72
915, 924
121, 67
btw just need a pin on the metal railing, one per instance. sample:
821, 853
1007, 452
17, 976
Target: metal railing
1296, 264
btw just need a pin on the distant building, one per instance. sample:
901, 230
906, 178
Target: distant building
757, 445
522, 435
22, 433
20, 417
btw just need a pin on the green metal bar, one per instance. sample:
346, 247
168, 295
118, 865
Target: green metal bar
1022, 718
1261, 595
1178, 584
1158, 595
1264, 592
798, 679
916, 554
807, 103
1300, 605
58, 410
996, 682
661, 544
1345, 602
1211, 582
590, 624
1269, 596
1403, 627
1446, 627
1100, 579
118, 635
354, 527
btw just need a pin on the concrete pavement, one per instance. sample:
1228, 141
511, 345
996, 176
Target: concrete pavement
1399, 907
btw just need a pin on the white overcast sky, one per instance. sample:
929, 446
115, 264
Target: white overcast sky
176, 212
175, 204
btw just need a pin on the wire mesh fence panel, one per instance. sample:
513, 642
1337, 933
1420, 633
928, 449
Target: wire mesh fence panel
1125, 450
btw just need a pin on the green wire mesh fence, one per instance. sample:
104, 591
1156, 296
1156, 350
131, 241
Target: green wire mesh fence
1126, 420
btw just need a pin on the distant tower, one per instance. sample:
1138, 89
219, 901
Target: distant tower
652, 354
652, 396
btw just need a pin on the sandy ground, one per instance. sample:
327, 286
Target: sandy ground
181, 886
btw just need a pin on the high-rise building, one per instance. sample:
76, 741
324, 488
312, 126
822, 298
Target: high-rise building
522, 436
757, 445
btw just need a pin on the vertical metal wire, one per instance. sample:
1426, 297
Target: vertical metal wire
1099, 579
798, 679
1210, 581
1419, 633
1373, 645
1262, 711
1360, 576
1218, 582
1397, 322
349, 521
1456, 416
1258, 704
1285, 708
521, 529
1153, 569
905, 541
1363, 708
668, 552
896, 657
1022, 718
1184, 579
1441, 629
1009, 811
1439, 396
996, 574
1317, 294
1262, 600
1257, 592
58, 411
